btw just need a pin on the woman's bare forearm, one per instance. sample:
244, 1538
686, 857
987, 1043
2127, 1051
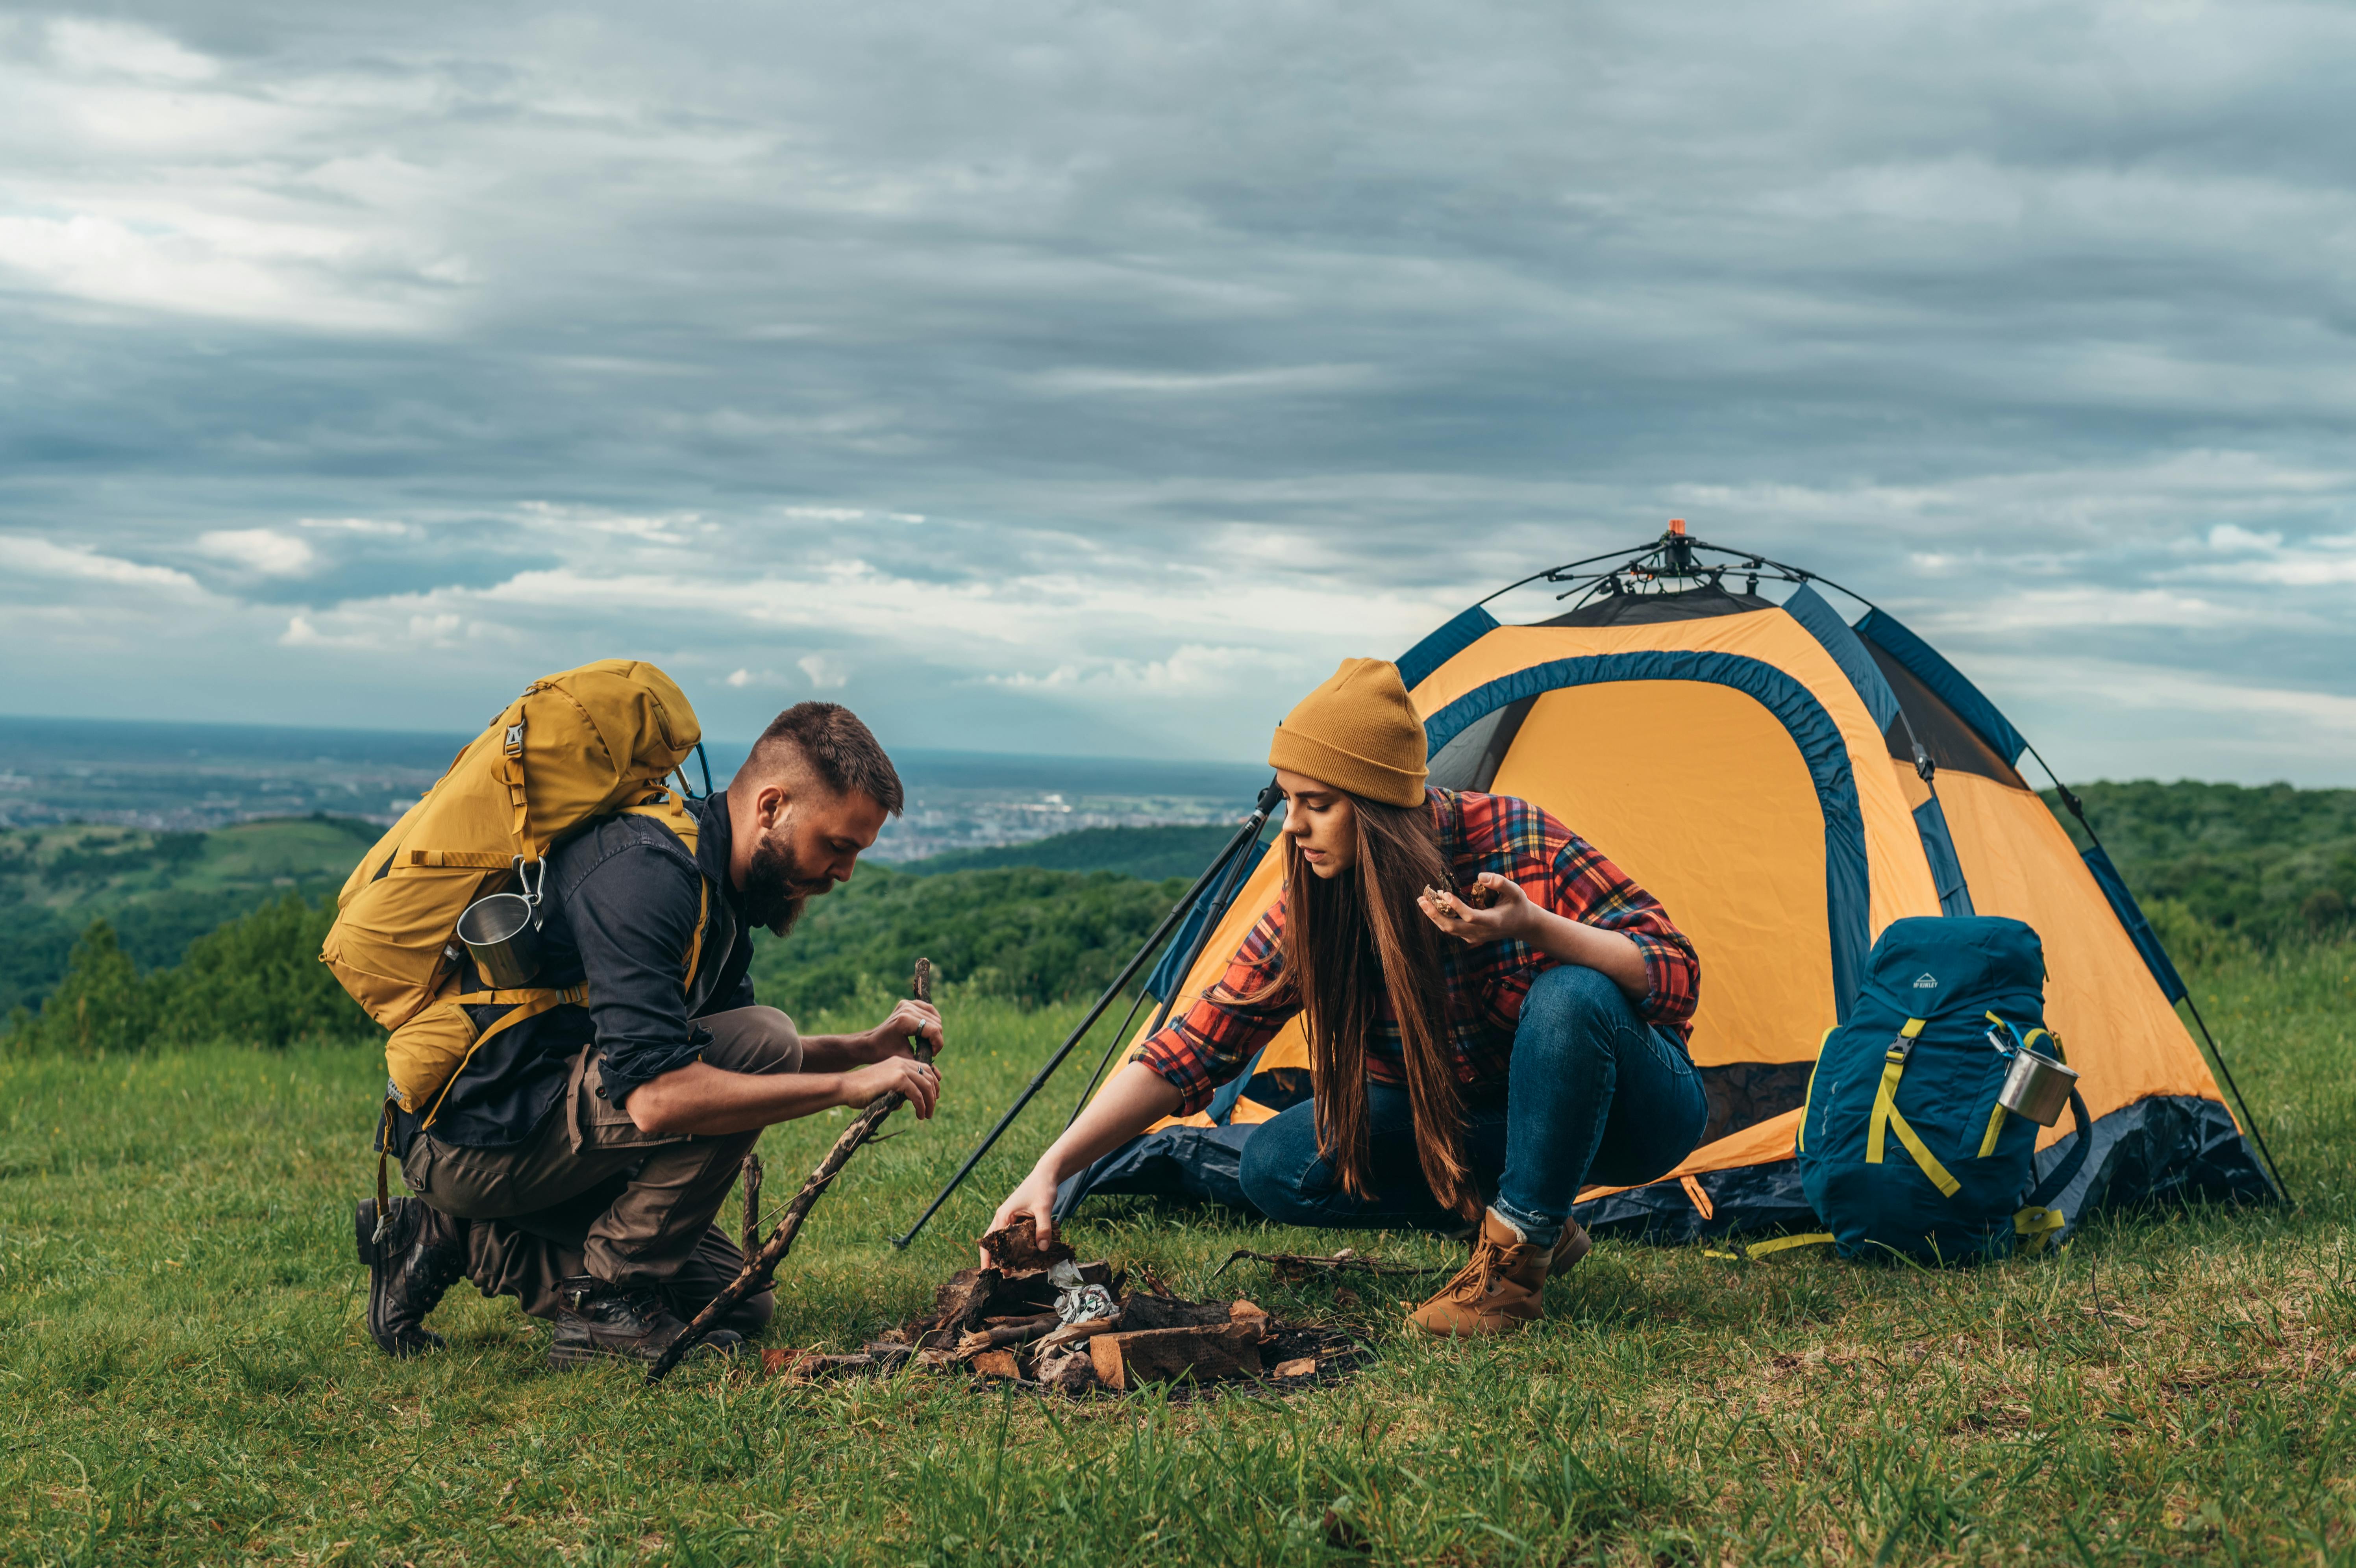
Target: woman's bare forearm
1137, 1098
1611, 955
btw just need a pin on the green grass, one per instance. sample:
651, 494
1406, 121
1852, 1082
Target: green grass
186, 1379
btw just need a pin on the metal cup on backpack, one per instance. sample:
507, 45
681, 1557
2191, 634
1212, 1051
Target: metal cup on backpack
502, 929
2037, 1086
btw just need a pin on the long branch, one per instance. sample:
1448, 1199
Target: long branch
773, 1252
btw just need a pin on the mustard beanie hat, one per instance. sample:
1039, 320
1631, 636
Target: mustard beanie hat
1357, 732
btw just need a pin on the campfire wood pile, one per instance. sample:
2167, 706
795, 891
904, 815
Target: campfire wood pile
1003, 1321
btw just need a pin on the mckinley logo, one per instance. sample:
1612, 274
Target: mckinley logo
1926, 980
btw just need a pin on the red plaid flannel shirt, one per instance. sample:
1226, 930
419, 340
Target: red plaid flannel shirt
1217, 1037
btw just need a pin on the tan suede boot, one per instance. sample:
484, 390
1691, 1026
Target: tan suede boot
1499, 1289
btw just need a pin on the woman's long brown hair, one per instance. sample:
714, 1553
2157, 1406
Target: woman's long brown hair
1351, 941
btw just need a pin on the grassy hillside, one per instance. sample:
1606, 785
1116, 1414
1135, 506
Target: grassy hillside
2264, 864
1030, 936
1148, 852
189, 1382
158, 892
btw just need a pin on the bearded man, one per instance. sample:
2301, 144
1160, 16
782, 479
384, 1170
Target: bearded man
580, 1157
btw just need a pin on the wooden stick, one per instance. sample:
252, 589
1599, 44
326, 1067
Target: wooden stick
1346, 1262
751, 1202
773, 1252
1021, 1331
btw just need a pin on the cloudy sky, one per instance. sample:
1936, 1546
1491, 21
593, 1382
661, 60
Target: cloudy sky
1069, 377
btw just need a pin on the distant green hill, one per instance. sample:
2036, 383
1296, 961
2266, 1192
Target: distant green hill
2268, 862
158, 891
1031, 935
1148, 852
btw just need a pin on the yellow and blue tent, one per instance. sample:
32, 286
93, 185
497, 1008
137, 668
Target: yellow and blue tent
1787, 783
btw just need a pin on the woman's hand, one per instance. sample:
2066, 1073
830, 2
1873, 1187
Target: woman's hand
896, 1036
1036, 1198
1505, 920
1132, 1099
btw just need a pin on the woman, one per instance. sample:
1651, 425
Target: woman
1540, 1049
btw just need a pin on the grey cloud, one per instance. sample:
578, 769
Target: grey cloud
1968, 308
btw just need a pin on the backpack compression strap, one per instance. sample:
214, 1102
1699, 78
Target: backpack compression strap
1887, 1120
2036, 1222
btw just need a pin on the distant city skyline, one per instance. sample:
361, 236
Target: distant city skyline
1083, 380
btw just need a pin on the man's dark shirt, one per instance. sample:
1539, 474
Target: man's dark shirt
622, 909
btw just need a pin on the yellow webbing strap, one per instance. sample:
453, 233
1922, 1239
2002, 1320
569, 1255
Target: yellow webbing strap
509, 772
472, 860
1948, 1186
535, 1002
1885, 1098
1780, 1245
2036, 1227
1886, 1118
1785, 1243
1996, 1126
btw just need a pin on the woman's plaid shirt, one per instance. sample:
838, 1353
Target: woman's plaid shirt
1487, 985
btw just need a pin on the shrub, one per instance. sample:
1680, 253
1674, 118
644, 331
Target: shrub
255, 981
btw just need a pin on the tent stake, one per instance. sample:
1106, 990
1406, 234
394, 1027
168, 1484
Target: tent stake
1249, 830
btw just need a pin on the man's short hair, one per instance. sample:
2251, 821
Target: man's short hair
839, 751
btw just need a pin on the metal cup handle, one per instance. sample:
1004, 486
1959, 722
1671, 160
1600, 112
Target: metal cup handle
531, 882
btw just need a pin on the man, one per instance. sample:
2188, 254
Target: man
579, 1159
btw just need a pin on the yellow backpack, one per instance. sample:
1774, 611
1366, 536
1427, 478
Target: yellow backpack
575, 747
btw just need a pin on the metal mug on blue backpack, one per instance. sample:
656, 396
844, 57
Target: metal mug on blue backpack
1918, 1135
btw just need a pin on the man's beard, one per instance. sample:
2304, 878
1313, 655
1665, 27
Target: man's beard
770, 881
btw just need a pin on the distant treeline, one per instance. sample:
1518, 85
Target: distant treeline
257, 979
1027, 935
2259, 866
1148, 852
2223, 870
157, 892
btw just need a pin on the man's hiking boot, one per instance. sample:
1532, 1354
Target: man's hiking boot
600, 1322
423, 1253
1498, 1289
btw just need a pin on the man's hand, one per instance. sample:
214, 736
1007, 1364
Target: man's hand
917, 1082
1505, 920
895, 1036
1036, 1198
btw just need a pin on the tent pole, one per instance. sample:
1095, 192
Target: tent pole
1219, 901
2248, 1121
1268, 797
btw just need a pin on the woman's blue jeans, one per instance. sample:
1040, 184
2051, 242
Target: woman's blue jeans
1594, 1096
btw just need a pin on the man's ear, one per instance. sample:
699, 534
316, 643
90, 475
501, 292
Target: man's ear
770, 803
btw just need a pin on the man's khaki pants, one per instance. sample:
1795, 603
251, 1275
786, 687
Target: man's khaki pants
588, 1193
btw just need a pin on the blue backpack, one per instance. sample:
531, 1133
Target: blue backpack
1902, 1145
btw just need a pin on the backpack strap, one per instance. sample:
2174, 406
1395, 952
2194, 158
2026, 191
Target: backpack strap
2036, 1222
1886, 1118
529, 1004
